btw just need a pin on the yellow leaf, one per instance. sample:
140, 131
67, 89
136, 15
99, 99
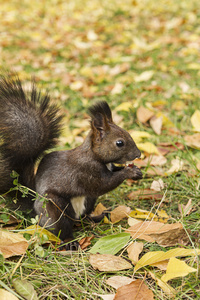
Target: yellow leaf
178, 105
165, 120
193, 66
37, 229
164, 286
156, 256
144, 76
124, 106
139, 135
5, 295
141, 214
195, 120
176, 268
148, 147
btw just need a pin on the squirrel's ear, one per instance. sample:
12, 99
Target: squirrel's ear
99, 126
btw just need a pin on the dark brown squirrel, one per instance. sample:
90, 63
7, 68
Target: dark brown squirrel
72, 180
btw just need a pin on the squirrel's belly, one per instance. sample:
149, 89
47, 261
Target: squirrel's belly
78, 204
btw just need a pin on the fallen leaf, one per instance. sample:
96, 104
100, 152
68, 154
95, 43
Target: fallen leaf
155, 160
193, 141
171, 147
125, 106
157, 185
138, 136
132, 221
119, 213
162, 265
141, 214
85, 242
177, 268
5, 295
33, 229
144, 76
178, 105
134, 251
148, 148
99, 209
25, 289
168, 290
156, 124
155, 171
144, 114
157, 256
166, 122
12, 244
185, 209
110, 244
118, 281
146, 194
177, 165
195, 120
108, 262
117, 89
164, 234
135, 290
76, 85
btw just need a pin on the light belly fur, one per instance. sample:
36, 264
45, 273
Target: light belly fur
78, 204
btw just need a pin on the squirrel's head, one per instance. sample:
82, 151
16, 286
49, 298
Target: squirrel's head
110, 143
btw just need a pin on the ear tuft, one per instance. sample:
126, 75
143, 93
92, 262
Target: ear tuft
100, 108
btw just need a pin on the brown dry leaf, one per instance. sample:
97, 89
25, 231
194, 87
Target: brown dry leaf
134, 251
155, 171
144, 114
135, 290
119, 213
146, 194
162, 265
177, 165
193, 141
105, 297
118, 281
157, 185
164, 234
12, 243
185, 209
85, 242
108, 262
171, 148
98, 210
156, 124
154, 160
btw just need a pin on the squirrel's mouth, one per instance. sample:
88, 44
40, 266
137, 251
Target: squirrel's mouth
123, 165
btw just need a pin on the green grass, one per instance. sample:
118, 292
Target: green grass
50, 40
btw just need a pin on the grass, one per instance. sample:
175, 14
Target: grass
64, 43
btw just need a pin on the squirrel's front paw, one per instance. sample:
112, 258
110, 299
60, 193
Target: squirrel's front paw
134, 172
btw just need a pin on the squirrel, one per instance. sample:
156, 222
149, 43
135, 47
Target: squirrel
72, 179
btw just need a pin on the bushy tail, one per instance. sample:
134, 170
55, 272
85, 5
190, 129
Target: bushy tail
29, 125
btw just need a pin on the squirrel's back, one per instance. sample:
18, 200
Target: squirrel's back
29, 125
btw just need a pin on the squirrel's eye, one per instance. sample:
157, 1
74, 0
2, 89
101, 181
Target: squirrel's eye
119, 143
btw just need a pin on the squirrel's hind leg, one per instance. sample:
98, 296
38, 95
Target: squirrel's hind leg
57, 218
